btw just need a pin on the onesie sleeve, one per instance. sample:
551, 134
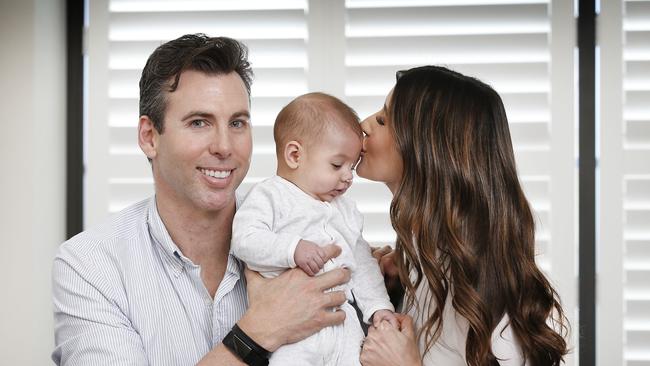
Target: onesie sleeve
367, 281
253, 238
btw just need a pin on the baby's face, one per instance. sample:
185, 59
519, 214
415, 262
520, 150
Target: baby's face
325, 170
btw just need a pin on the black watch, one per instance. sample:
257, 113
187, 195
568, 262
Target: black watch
242, 346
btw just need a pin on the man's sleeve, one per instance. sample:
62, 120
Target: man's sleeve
90, 328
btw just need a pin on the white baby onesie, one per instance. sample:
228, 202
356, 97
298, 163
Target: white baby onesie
267, 227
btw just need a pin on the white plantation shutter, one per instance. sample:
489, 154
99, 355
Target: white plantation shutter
123, 33
636, 181
352, 49
624, 238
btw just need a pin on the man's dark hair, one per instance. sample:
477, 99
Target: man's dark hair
210, 55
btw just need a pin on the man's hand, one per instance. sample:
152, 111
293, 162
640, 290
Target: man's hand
310, 257
293, 306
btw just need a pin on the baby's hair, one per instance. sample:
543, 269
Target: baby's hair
305, 119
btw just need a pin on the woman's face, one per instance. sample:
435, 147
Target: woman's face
380, 160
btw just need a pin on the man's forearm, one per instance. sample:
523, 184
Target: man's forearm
220, 356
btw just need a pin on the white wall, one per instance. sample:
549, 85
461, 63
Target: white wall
32, 156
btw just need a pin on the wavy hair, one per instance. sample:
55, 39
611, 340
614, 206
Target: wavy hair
462, 221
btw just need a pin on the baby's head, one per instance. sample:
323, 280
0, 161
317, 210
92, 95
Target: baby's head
318, 143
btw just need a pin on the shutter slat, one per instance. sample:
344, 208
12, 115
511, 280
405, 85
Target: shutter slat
448, 20
188, 6
289, 24
463, 49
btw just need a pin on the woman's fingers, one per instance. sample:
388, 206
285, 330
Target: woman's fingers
406, 325
388, 346
387, 264
378, 253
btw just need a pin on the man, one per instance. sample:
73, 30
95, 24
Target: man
156, 283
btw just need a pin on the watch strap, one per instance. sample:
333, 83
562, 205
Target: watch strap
246, 348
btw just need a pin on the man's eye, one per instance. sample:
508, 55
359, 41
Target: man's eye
380, 120
198, 123
238, 123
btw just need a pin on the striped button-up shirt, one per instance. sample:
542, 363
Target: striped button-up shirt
124, 294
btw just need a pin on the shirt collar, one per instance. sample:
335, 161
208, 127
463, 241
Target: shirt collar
171, 253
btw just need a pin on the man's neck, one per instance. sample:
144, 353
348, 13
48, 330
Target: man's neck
203, 237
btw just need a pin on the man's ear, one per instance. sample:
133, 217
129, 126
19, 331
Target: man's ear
292, 154
147, 137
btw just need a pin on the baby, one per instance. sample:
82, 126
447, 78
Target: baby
286, 219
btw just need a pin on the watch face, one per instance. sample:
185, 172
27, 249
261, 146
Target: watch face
241, 348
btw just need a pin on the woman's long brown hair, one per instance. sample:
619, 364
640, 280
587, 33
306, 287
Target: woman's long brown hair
463, 223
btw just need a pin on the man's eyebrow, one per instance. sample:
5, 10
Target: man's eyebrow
197, 114
242, 113
203, 114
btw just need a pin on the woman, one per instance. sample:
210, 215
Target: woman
465, 232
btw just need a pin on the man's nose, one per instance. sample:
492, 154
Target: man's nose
220, 143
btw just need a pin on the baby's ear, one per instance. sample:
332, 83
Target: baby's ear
292, 153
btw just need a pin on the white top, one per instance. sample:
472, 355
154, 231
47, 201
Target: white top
449, 348
276, 214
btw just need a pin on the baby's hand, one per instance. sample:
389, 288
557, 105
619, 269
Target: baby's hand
384, 315
310, 257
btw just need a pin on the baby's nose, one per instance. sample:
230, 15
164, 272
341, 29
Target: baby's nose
347, 177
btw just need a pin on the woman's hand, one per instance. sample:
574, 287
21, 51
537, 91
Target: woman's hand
293, 305
385, 256
387, 346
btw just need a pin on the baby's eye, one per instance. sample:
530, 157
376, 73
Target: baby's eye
336, 166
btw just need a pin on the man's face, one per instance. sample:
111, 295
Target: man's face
205, 149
